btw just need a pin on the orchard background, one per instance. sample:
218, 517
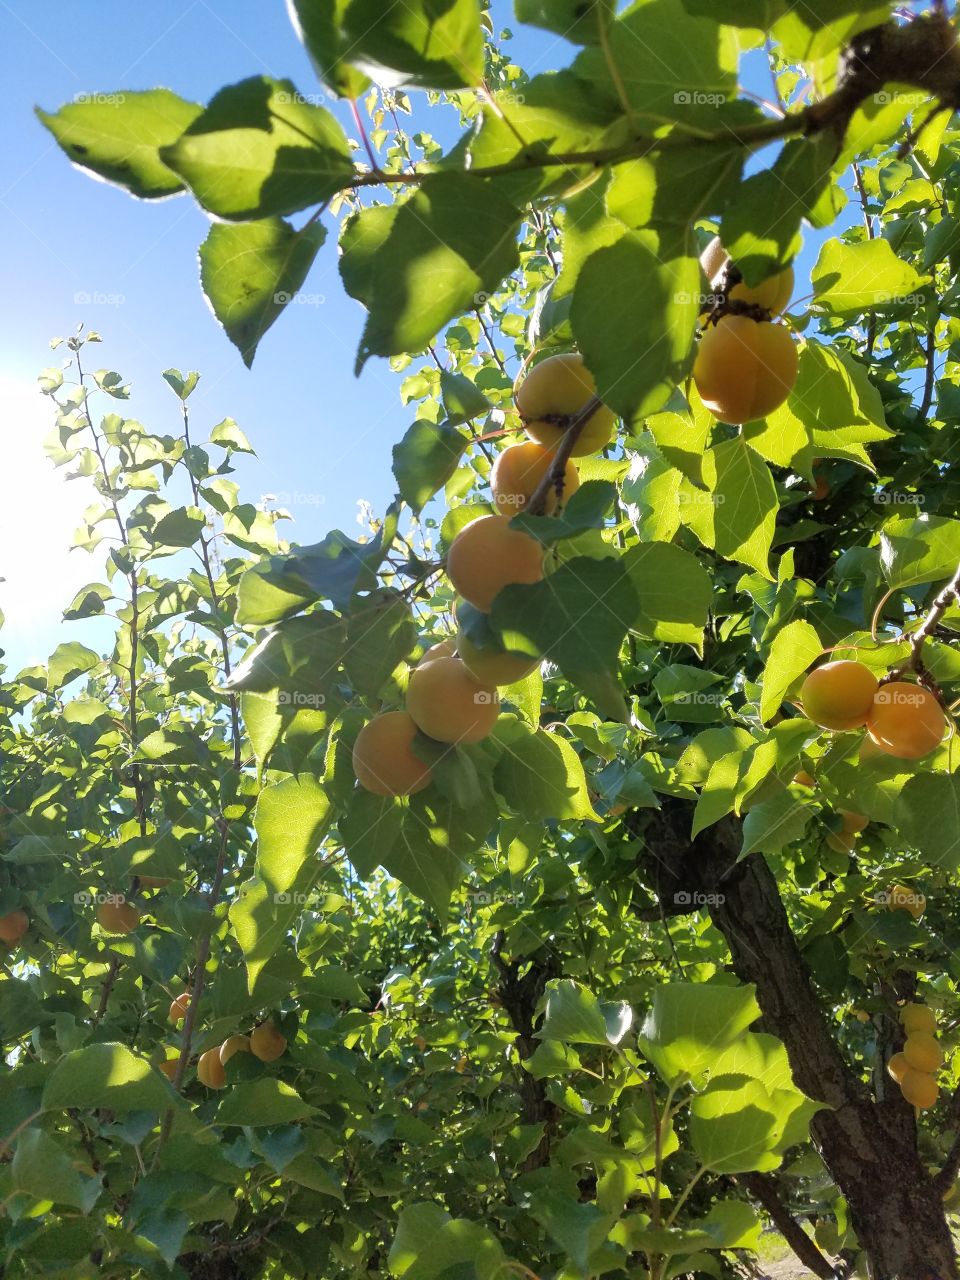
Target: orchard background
601, 970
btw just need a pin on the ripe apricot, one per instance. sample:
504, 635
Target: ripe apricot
210, 1069
558, 388
233, 1045
179, 1007
853, 823
152, 882
917, 1017
449, 704
804, 779
169, 1068
906, 721
494, 666
383, 759
838, 695
898, 1067
118, 917
901, 898
922, 1052
517, 472
919, 1089
487, 555
13, 926
745, 368
772, 294
442, 649
841, 841
266, 1042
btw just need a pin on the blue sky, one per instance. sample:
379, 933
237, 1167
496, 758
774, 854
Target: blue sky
78, 250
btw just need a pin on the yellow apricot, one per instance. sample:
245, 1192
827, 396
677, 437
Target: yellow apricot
169, 1068
210, 1069
266, 1042
13, 926
804, 779
118, 917
853, 823
922, 1052
772, 294
442, 649
919, 1089
178, 1007
841, 841
898, 1067
517, 472
900, 898
494, 666
917, 1017
906, 721
745, 368
384, 762
152, 882
449, 704
233, 1045
487, 555
838, 695
559, 387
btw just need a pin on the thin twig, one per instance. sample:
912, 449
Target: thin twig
555, 476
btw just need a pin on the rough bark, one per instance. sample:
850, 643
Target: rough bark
764, 1191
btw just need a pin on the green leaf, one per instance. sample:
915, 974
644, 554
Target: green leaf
674, 591
462, 398
425, 459
650, 289
228, 434
178, 528
370, 829
849, 278
260, 149
927, 817
43, 1170
263, 1102
381, 632
434, 262
689, 1024
574, 1015
776, 821
421, 43
291, 819
737, 515
794, 647
68, 661
118, 136
318, 23
429, 1244
577, 20
921, 550
250, 272
299, 658
107, 1075
261, 920
579, 1228
735, 1126
761, 225
541, 776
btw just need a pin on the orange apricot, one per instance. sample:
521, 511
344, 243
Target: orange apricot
917, 1017
518, 471
118, 917
906, 721
384, 762
233, 1045
771, 294
745, 368
922, 1052
558, 388
178, 1007
267, 1043
901, 898
447, 703
919, 1088
442, 649
494, 666
487, 555
13, 926
169, 1068
838, 695
210, 1069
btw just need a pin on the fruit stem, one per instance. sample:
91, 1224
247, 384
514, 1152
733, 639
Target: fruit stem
554, 477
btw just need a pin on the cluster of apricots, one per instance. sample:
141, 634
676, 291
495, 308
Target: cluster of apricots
117, 914
901, 718
13, 928
746, 363
265, 1042
452, 693
915, 1067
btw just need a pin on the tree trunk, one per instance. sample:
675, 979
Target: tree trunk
895, 1209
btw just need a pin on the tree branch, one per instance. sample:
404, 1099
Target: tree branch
764, 1190
555, 476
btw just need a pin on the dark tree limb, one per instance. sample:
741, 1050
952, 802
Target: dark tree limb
764, 1190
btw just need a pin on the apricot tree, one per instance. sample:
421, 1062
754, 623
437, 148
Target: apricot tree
557, 886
